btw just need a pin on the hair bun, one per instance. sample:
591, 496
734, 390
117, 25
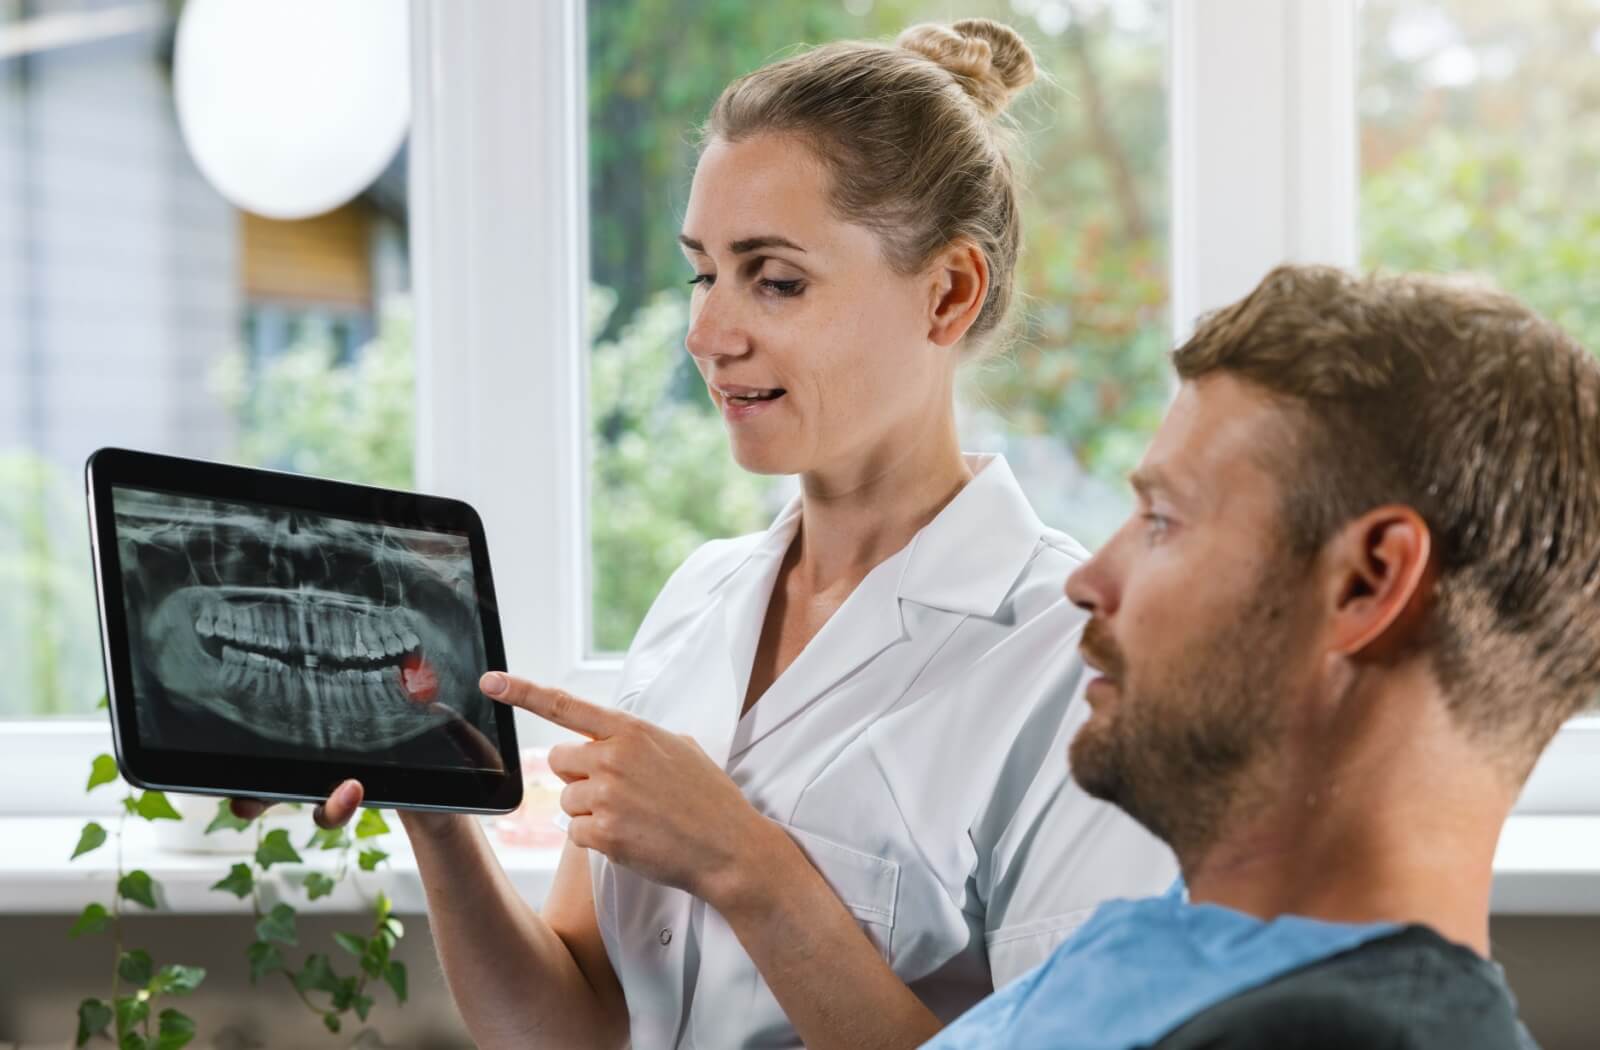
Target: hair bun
987, 58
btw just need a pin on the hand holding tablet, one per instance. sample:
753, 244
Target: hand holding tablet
272, 636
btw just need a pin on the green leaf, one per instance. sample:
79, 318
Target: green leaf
371, 824
363, 1005
176, 980
351, 943
92, 838
93, 1018
131, 1010
318, 975
275, 849
133, 1040
328, 838
345, 995
153, 805
102, 703
391, 931
395, 975
176, 1031
94, 919
138, 887
238, 881
371, 858
331, 1022
264, 959
319, 885
135, 967
225, 820
104, 771
278, 925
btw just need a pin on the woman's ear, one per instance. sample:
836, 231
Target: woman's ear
960, 282
1383, 574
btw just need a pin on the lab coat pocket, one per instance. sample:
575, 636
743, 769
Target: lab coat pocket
867, 885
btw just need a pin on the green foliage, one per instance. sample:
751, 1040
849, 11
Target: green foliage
371, 824
102, 771
136, 970
94, 1017
225, 820
275, 849
139, 887
94, 919
277, 926
239, 881
319, 885
92, 838
308, 412
153, 805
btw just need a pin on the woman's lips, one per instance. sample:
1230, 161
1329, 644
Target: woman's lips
740, 409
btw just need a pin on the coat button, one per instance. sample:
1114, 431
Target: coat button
665, 936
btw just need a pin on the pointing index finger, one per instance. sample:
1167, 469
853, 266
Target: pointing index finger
553, 705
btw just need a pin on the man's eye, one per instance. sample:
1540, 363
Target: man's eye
1155, 525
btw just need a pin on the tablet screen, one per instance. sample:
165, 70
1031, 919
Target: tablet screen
285, 633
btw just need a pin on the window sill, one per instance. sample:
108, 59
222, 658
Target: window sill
36, 877
1546, 865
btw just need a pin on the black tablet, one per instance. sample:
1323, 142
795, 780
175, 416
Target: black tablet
268, 635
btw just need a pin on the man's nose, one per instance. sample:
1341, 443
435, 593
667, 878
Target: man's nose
1090, 586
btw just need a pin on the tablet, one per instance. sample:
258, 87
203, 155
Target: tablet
267, 635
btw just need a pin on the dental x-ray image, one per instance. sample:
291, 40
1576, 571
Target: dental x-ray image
275, 632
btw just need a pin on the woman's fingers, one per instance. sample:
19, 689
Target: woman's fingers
573, 761
578, 798
247, 808
341, 805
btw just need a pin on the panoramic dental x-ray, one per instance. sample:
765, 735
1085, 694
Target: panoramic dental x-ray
285, 632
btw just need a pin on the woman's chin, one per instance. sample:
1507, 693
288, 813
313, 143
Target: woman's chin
764, 458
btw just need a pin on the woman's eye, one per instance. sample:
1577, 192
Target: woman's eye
1155, 525
702, 278
783, 288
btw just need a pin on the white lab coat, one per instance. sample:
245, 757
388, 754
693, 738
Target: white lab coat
916, 750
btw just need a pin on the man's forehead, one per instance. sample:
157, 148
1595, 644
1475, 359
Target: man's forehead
1216, 438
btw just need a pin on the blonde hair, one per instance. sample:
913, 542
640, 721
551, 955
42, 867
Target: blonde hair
909, 134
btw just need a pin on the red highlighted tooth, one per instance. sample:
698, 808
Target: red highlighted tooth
419, 679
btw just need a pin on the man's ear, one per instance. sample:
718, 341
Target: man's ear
960, 285
1383, 574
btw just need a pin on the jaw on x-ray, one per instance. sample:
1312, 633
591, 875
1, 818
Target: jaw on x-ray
312, 632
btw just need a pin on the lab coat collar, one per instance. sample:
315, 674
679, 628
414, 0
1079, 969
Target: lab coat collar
966, 560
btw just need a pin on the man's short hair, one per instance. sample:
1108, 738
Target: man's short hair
1463, 404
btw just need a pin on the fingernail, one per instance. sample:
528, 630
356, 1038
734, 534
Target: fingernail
494, 683
347, 793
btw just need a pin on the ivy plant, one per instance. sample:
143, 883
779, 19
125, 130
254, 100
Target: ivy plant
135, 1014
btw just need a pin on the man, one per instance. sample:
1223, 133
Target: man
1360, 594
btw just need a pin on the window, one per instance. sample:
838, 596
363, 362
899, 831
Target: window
1071, 405
1479, 143
139, 308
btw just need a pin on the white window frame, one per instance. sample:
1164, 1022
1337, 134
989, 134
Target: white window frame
1264, 169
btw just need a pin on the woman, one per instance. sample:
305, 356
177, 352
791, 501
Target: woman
831, 807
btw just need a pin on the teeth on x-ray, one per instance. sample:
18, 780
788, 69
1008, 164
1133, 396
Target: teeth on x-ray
307, 630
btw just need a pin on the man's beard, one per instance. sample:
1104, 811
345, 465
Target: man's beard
1182, 746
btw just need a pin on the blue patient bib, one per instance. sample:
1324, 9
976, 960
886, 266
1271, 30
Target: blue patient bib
1137, 970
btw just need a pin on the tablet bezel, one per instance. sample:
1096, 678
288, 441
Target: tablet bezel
271, 778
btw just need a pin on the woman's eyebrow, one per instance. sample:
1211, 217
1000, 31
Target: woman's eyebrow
743, 245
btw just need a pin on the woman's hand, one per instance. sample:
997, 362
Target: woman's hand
648, 799
342, 804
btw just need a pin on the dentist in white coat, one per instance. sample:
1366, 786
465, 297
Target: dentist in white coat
829, 805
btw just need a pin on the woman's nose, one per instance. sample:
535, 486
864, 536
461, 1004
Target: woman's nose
714, 331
